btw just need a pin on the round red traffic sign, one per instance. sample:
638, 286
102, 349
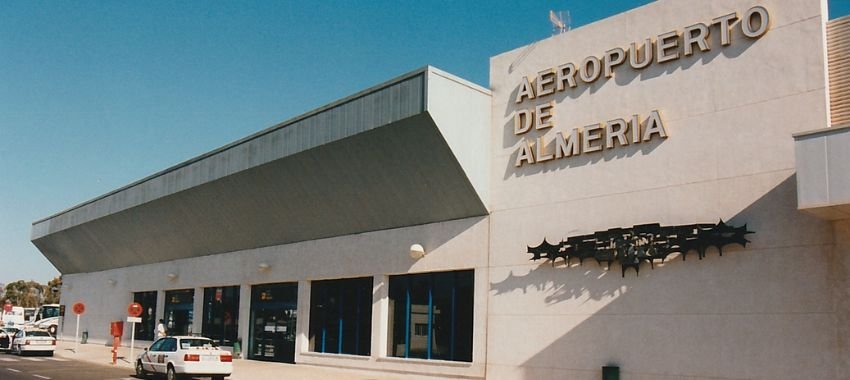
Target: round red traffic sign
7, 307
79, 308
135, 309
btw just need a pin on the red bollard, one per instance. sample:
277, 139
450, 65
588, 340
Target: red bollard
116, 329
116, 341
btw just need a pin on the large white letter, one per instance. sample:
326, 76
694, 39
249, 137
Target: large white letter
666, 42
526, 90
700, 38
619, 133
747, 22
612, 58
566, 74
634, 54
545, 78
544, 114
588, 137
523, 120
725, 21
542, 156
524, 154
654, 125
566, 146
590, 69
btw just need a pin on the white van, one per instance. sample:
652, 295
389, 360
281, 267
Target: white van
14, 317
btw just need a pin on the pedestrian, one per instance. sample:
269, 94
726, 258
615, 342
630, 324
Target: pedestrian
160, 329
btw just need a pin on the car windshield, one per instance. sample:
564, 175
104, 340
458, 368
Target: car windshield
48, 312
38, 333
196, 343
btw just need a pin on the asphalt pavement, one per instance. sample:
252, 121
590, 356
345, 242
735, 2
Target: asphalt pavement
13, 367
94, 361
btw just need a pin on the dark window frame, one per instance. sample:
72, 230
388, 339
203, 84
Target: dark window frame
444, 301
341, 316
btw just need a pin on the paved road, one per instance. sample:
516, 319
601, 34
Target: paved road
14, 367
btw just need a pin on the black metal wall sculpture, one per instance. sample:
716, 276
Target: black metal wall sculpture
642, 243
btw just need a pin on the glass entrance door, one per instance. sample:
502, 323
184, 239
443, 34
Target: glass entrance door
178, 311
273, 316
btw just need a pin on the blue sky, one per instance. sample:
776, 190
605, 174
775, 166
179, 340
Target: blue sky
97, 94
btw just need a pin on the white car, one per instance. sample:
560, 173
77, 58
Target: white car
178, 356
7, 334
33, 341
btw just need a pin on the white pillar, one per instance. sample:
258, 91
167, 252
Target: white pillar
197, 311
244, 317
380, 316
160, 307
302, 322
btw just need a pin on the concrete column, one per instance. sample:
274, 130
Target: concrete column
479, 315
842, 295
380, 316
160, 306
244, 317
197, 311
302, 322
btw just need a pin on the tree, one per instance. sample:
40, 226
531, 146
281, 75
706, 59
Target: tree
53, 290
24, 293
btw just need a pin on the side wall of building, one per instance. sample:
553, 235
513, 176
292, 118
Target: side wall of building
764, 311
451, 245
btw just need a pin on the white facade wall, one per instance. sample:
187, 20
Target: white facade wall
451, 245
767, 311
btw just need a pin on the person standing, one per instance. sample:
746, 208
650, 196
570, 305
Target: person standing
160, 329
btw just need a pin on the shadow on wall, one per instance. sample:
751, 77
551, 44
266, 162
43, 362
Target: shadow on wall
735, 316
624, 76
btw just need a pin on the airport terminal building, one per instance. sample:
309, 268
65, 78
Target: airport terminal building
666, 191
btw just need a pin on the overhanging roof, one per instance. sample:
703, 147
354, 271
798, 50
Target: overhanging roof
411, 151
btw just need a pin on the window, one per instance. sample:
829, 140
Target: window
168, 345
188, 343
341, 316
147, 329
421, 329
179, 311
221, 314
157, 346
431, 315
274, 312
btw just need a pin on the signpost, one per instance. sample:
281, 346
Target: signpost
78, 309
134, 311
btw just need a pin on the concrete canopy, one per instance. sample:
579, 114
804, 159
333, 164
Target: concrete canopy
410, 151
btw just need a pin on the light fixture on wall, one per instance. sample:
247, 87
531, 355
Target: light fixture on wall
417, 251
262, 267
111, 282
172, 276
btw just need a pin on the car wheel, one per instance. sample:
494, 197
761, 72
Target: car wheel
170, 374
140, 371
218, 378
52, 330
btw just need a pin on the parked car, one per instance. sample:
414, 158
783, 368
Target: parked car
7, 334
33, 341
178, 356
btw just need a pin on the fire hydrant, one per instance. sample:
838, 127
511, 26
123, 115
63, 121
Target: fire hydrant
116, 329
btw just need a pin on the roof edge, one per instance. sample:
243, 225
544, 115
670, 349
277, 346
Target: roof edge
419, 71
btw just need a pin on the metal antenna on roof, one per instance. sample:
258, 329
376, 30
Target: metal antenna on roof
560, 21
